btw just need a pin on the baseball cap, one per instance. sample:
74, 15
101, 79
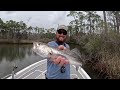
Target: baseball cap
62, 27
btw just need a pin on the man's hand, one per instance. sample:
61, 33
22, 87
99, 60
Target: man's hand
61, 61
61, 47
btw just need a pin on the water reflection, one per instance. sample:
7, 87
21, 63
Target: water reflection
14, 52
22, 55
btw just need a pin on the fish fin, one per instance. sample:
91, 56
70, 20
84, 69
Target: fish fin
76, 51
76, 54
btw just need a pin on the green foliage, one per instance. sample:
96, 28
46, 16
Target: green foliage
100, 40
94, 44
103, 52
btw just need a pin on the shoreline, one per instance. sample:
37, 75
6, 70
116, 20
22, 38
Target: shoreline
11, 41
15, 42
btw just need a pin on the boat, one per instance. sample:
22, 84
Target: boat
37, 70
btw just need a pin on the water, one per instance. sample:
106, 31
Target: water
21, 55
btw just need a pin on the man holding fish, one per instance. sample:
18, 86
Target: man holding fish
58, 67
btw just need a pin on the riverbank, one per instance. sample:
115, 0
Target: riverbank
11, 41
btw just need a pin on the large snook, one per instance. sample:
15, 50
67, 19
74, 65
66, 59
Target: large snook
44, 50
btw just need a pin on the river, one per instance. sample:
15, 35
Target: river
22, 56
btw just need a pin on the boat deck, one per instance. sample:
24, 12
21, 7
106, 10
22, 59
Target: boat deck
38, 69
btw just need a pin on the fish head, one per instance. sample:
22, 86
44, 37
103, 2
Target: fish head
41, 49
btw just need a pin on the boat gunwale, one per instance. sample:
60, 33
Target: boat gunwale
27, 68
81, 71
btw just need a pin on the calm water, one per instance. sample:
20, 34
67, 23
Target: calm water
22, 55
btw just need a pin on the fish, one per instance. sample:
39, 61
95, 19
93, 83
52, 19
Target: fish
43, 50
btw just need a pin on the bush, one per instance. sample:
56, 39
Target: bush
102, 53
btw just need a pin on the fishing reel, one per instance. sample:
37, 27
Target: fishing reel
63, 69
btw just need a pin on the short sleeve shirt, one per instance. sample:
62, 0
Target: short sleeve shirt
54, 70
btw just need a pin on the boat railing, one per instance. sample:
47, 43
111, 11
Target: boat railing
12, 74
6, 76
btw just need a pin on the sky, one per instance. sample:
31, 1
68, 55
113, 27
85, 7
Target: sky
46, 19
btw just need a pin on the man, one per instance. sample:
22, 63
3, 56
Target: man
58, 67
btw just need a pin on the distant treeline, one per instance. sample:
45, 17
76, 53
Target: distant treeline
16, 31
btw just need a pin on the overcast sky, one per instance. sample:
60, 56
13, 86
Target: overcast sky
46, 19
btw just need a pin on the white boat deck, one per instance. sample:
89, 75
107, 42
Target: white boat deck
38, 69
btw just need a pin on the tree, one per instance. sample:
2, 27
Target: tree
1, 27
75, 23
117, 17
92, 19
105, 22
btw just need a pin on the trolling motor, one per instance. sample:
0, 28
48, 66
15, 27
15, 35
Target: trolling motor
14, 67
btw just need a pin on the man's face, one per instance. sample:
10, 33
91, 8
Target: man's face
61, 35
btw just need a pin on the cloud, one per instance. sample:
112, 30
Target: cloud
59, 17
46, 19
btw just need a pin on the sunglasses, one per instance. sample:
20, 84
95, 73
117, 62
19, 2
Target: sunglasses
61, 31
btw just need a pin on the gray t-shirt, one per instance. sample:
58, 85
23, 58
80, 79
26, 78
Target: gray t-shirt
54, 70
